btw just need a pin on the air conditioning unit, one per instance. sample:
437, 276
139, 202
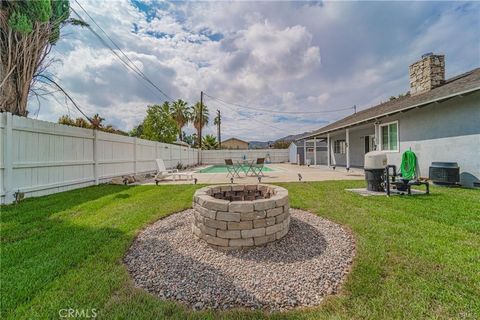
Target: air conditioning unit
444, 173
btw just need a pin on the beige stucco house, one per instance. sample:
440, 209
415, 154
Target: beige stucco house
234, 144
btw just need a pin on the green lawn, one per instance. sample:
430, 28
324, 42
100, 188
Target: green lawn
417, 257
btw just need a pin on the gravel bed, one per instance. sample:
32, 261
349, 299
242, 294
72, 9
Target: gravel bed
299, 270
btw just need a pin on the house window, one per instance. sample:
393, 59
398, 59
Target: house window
389, 136
310, 149
339, 146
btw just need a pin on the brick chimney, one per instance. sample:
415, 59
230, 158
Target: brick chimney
427, 73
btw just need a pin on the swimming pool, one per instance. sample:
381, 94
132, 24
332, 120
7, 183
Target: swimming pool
221, 168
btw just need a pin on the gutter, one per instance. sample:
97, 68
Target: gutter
418, 105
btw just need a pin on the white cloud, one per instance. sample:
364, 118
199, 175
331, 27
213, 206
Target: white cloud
284, 56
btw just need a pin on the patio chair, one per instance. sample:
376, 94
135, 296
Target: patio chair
163, 172
187, 174
257, 168
232, 168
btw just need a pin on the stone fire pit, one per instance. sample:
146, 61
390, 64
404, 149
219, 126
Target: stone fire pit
237, 216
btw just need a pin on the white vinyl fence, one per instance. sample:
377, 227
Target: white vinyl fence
219, 156
39, 157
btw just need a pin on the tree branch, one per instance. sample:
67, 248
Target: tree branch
6, 77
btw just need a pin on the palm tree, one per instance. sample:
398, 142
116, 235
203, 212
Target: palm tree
97, 121
165, 107
181, 114
209, 142
199, 120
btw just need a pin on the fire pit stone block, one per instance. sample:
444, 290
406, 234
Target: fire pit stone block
241, 216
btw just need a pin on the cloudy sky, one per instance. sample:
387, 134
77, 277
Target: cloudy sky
284, 57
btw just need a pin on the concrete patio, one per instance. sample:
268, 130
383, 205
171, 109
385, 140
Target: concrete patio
283, 172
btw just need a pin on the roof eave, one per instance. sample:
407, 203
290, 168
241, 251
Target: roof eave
391, 113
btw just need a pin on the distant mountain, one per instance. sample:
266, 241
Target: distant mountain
292, 137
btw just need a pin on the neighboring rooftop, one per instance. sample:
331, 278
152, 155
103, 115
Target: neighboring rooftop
235, 139
462, 84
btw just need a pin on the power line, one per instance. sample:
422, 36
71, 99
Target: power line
134, 68
264, 123
108, 37
124, 64
67, 95
276, 112
253, 119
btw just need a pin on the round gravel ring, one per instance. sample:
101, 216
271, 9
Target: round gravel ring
299, 270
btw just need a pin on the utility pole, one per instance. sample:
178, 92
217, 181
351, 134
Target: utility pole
355, 109
201, 125
218, 129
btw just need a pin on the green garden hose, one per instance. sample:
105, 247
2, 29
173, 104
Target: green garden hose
409, 164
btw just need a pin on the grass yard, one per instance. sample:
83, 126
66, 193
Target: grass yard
417, 257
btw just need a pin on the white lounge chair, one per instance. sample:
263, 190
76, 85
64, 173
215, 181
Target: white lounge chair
187, 174
163, 172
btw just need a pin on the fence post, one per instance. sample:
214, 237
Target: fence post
8, 160
134, 156
180, 154
95, 156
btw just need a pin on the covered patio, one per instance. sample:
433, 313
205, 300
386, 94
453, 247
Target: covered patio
346, 147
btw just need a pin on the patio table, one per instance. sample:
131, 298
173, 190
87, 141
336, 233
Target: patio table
246, 163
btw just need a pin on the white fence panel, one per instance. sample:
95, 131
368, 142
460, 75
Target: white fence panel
175, 158
39, 157
116, 155
46, 157
146, 155
165, 154
3, 120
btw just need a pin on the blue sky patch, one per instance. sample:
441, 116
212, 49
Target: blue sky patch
158, 34
149, 11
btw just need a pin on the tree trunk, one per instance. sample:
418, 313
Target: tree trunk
8, 94
25, 54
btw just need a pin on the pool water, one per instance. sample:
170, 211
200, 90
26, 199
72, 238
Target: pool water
221, 168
